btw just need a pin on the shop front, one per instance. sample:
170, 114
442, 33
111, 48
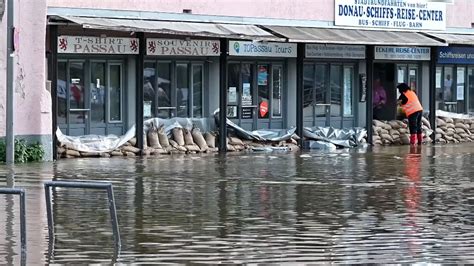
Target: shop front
92, 83
331, 82
257, 96
455, 79
394, 65
176, 77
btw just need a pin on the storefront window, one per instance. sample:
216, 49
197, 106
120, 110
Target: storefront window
263, 91
412, 79
62, 93
233, 90
182, 90
470, 80
164, 95
321, 92
76, 92
115, 93
97, 92
277, 87
448, 90
149, 88
336, 89
439, 88
197, 90
348, 83
308, 81
460, 84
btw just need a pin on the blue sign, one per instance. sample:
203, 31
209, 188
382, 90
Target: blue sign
456, 55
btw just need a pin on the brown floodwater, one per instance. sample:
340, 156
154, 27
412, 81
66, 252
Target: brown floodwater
381, 205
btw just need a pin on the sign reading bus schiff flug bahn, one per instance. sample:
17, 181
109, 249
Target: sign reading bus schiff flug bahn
394, 14
97, 45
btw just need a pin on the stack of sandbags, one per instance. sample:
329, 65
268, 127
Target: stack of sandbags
396, 132
449, 130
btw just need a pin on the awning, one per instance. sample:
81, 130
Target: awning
353, 36
454, 38
231, 31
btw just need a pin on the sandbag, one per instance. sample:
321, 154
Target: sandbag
403, 130
130, 149
425, 122
394, 132
178, 147
377, 123
199, 139
384, 132
188, 137
460, 130
164, 142
439, 131
153, 139
386, 127
376, 129
440, 122
394, 124
450, 125
405, 139
178, 136
210, 139
193, 147
235, 141
448, 120
73, 153
230, 147
461, 125
116, 153
133, 141
387, 137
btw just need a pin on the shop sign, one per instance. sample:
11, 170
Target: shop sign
335, 51
402, 53
394, 14
456, 55
176, 47
97, 45
246, 48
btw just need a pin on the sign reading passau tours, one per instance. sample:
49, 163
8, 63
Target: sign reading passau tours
177, 47
97, 45
395, 14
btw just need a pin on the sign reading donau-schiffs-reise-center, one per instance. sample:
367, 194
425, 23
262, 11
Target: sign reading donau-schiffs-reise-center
395, 14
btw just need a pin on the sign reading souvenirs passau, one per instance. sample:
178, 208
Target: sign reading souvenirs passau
272, 49
335, 51
176, 47
97, 45
402, 53
395, 14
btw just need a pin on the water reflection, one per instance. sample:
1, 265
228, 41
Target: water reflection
383, 206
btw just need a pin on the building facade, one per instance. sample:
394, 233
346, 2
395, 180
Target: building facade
271, 64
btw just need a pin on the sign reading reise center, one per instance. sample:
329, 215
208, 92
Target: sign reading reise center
97, 45
395, 14
402, 53
172, 47
246, 48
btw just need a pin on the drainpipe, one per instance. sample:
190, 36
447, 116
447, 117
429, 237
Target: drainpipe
10, 137
432, 91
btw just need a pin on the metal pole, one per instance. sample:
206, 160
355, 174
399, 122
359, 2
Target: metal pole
113, 216
10, 137
432, 91
223, 96
139, 103
53, 77
23, 220
370, 78
49, 212
299, 91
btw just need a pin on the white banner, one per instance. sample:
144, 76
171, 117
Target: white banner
395, 14
173, 47
97, 45
247, 48
402, 53
335, 51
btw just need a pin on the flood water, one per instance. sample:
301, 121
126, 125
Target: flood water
386, 205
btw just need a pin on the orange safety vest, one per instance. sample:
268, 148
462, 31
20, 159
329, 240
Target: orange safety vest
413, 105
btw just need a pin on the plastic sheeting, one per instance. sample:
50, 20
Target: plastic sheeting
95, 143
453, 115
349, 138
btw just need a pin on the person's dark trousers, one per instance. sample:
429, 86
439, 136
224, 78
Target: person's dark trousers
414, 124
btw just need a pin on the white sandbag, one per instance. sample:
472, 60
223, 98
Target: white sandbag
152, 137
178, 136
188, 137
377, 123
199, 139
210, 139
163, 138
235, 141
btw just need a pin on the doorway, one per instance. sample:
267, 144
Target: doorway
90, 97
256, 95
328, 98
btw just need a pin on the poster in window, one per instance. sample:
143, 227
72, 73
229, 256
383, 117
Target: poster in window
362, 87
262, 75
147, 109
232, 95
231, 111
246, 95
460, 93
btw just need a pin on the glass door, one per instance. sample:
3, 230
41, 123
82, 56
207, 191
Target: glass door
248, 102
97, 98
78, 103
